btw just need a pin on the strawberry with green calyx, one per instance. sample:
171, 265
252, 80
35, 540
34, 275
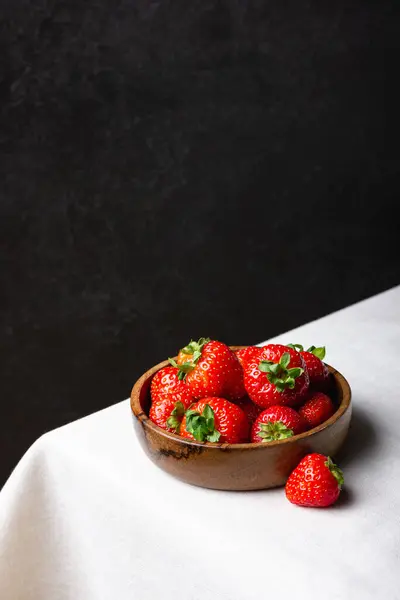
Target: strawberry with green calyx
188, 357
166, 382
277, 423
279, 374
202, 426
317, 409
192, 352
211, 369
317, 370
215, 420
167, 413
315, 482
280, 377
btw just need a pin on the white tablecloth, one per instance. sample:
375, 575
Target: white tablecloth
86, 516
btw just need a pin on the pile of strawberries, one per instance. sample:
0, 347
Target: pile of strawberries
256, 394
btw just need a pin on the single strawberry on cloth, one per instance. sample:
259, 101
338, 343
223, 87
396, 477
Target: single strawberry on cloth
315, 482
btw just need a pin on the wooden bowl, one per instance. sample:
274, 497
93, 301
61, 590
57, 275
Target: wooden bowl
236, 466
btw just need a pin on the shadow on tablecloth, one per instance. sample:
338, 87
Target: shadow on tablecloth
361, 441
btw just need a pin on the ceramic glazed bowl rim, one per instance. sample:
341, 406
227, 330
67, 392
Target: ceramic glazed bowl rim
137, 411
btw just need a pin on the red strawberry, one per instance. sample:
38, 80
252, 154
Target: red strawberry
211, 370
246, 354
317, 370
277, 423
317, 409
192, 351
215, 420
250, 409
279, 376
167, 413
316, 481
166, 382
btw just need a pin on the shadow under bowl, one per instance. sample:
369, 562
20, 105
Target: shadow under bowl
236, 467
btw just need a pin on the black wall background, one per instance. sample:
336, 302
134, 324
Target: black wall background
172, 169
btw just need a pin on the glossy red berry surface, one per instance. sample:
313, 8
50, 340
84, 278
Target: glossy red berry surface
315, 482
166, 382
278, 376
166, 412
317, 409
212, 369
245, 355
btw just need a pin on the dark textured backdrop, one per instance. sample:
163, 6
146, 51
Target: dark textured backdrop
173, 169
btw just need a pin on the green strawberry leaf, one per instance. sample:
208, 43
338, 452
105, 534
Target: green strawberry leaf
214, 436
193, 346
280, 386
191, 413
186, 367
208, 414
273, 431
196, 356
297, 347
275, 369
179, 410
318, 352
265, 366
273, 378
202, 426
173, 423
285, 360
176, 416
189, 349
336, 472
290, 383
279, 375
295, 372
183, 369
